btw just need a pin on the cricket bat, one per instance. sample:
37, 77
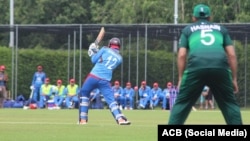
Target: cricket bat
100, 36
29, 101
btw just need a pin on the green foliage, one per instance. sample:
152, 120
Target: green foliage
59, 64
106, 11
54, 62
51, 12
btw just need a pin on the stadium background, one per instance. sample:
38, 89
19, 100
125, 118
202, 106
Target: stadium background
149, 52
44, 34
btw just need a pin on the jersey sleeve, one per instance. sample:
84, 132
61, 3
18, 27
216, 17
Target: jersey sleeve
95, 58
227, 39
183, 40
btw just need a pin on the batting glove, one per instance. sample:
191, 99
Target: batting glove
93, 49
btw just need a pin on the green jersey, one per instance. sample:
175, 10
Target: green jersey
205, 42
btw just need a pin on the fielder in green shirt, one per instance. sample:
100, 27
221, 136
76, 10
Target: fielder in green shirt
206, 56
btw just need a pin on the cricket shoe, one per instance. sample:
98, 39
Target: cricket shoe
122, 121
82, 122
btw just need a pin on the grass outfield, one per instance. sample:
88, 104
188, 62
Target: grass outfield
60, 125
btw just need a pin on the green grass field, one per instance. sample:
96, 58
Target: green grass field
60, 125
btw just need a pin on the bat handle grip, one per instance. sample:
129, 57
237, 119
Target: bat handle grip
96, 44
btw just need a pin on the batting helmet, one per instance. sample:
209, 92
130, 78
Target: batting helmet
114, 43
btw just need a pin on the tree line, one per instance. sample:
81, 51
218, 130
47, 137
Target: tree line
119, 12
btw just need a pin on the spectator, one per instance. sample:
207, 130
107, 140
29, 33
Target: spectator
71, 92
155, 95
144, 94
45, 93
128, 93
6, 78
59, 94
166, 96
3, 92
118, 94
37, 81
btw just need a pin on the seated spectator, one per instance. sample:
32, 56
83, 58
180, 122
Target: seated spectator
118, 94
59, 94
71, 92
156, 95
45, 93
166, 95
144, 94
128, 94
